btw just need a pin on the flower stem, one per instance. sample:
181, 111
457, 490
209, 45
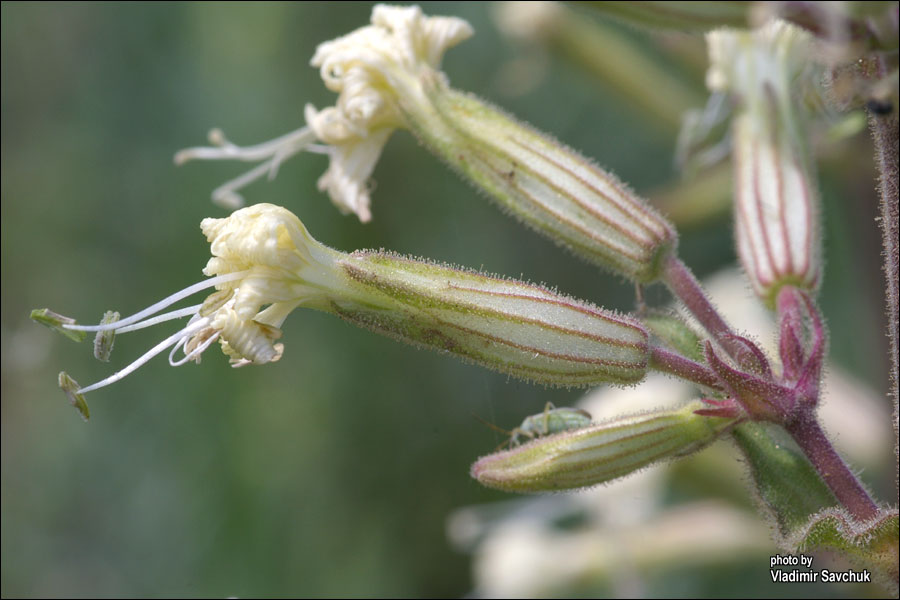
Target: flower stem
808, 434
684, 285
682, 367
884, 133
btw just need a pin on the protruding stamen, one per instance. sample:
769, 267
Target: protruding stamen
169, 316
160, 347
226, 194
225, 150
155, 308
273, 152
193, 347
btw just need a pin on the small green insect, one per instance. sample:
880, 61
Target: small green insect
552, 420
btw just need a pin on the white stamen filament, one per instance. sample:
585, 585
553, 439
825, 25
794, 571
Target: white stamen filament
226, 194
193, 353
175, 314
175, 348
188, 331
168, 301
198, 350
225, 149
320, 149
276, 151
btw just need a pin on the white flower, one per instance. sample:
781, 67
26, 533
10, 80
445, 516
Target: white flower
262, 256
281, 265
265, 264
369, 69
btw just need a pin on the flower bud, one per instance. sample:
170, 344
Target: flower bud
599, 453
776, 197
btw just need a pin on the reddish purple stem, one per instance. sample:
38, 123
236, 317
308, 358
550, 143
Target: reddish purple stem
831, 468
798, 391
680, 366
682, 283
795, 306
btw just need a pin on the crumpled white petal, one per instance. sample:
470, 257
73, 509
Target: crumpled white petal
266, 242
353, 158
369, 68
246, 341
262, 234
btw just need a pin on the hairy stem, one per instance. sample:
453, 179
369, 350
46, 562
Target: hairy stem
682, 367
808, 434
884, 132
684, 285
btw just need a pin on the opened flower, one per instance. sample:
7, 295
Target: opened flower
265, 264
387, 77
400, 44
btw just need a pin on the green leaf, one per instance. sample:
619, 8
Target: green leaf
872, 545
675, 333
784, 480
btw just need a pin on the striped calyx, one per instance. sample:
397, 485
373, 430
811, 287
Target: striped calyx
599, 453
678, 16
518, 328
776, 196
550, 187
514, 327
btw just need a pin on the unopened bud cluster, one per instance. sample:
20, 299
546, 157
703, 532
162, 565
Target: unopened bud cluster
776, 197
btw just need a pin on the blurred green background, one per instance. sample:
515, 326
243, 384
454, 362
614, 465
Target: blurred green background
332, 471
